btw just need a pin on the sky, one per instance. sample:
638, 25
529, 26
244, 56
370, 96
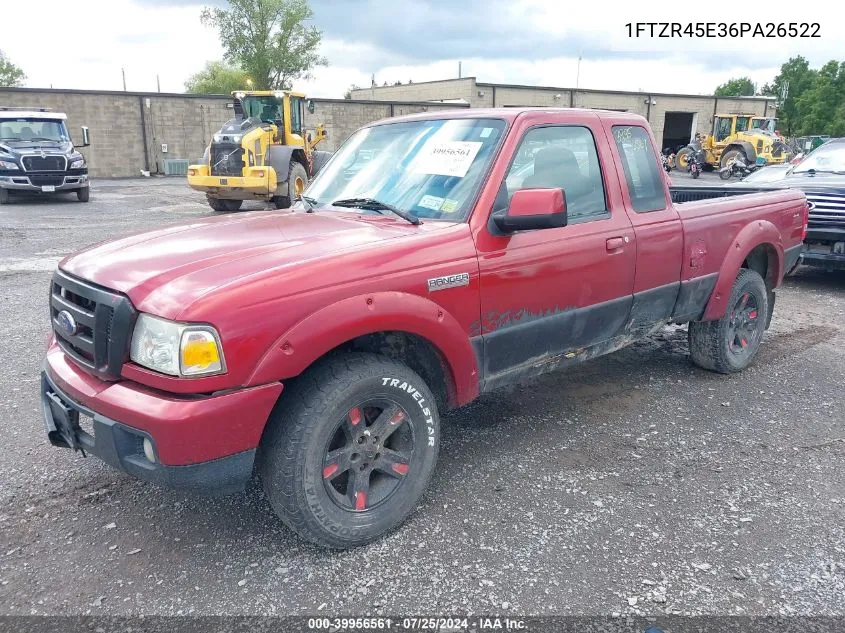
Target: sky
499, 41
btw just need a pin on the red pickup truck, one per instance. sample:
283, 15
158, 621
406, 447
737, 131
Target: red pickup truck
436, 257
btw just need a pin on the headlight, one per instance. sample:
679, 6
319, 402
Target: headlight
4, 164
177, 349
217, 138
79, 163
237, 138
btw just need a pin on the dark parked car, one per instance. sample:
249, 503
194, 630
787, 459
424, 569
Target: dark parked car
821, 176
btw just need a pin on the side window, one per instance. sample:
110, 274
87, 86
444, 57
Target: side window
558, 157
723, 128
644, 177
296, 115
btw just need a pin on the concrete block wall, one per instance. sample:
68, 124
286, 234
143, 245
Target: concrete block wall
423, 91
502, 95
118, 122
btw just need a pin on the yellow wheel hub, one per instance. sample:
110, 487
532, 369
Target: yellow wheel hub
682, 160
298, 186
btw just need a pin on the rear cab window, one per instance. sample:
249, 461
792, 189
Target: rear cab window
643, 175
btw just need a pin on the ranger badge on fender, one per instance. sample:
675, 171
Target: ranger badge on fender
449, 281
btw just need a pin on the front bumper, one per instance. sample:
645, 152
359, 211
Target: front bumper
23, 183
824, 248
248, 187
201, 443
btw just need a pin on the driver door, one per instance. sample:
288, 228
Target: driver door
554, 296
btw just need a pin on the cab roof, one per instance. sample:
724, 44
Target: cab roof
31, 114
512, 114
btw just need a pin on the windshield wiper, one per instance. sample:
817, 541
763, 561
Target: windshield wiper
375, 205
308, 203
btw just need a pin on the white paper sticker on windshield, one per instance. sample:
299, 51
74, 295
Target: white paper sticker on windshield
430, 202
447, 158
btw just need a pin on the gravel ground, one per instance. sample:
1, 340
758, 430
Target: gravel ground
633, 484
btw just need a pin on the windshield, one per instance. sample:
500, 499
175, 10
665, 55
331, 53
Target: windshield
268, 109
767, 124
827, 158
23, 129
430, 168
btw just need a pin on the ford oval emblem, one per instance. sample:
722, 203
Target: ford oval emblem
66, 322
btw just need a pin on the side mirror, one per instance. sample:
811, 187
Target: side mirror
310, 106
532, 209
85, 138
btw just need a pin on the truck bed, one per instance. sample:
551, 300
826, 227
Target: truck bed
681, 195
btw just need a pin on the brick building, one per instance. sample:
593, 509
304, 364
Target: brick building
674, 118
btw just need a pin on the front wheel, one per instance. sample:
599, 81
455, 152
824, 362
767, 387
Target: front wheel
682, 158
696, 172
725, 174
729, 344
4, 196
223, 205
350, 449
84, 194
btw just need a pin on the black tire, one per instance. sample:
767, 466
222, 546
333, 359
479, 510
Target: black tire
5, 198
682, 158
729, 156
317, 495
696, 173
83, 194
725, 174
729, 344
223, 205
296, 174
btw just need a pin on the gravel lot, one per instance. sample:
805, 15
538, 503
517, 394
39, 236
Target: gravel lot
633, 484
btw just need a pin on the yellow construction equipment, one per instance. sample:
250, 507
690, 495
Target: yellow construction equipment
746, 135
263, 153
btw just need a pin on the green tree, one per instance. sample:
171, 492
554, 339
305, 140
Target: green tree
737, 87
269, 39
217, 78
820, 109
348, 93
10, 75
796, 75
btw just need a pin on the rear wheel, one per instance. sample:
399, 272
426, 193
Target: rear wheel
4, 196
84, 194
222, 205
729, 156
729, 344
350, 449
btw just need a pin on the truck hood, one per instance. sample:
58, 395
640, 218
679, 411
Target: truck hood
164, 271
27, 148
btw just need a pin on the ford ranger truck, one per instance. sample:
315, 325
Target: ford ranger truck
435, 258
37, 155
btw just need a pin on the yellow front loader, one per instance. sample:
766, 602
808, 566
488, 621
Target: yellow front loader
751, 137
263, 153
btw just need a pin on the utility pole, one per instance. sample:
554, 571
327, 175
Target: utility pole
578, 71
459, 70
158, 83
123, 72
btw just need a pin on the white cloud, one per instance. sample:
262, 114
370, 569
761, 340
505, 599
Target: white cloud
90, 45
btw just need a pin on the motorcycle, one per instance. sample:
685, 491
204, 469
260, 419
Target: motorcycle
695, 161
668, 161
737, 167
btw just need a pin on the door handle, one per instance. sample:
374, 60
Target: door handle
615, 243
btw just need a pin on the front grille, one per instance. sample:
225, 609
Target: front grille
44, 163
104, 321
227, 160
828, 209
40, 180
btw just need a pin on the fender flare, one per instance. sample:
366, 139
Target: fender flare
308, 340
750, 237
279, 158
